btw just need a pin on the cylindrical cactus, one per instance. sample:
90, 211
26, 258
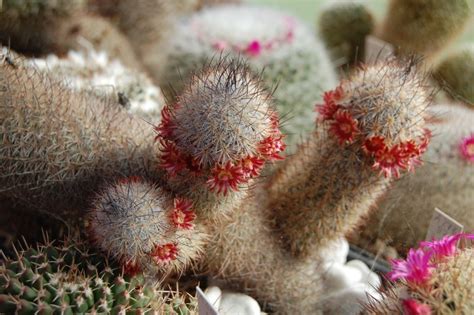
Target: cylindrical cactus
146, 229
455, 73
66, 278
372, 129
218, 136
424, 27
445, 181
59, 146
343, 28
280, 45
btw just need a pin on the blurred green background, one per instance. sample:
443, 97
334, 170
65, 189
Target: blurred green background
308, 10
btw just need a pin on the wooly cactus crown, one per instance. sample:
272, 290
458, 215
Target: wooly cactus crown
343, 28
456, 73
270, 40
66, 278
424, 27
445, 181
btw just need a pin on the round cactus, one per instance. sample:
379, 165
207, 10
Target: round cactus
344, 27
67, 279
218, 135
286, 49
446, 182
144, 228
424, 27
456, 73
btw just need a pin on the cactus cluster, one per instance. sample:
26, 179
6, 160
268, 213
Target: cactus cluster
278, 44
66, 278
343, 28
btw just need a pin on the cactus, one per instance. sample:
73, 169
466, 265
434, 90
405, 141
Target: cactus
59, 146
270, 40
343, 28
446, 182
456, 72
434, 279
47, 26
424, 27
145, 228
96, 73
66, 278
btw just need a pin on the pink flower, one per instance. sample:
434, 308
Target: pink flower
413, 307
220, 45
254, 48
467, 148
443, 247
415, 268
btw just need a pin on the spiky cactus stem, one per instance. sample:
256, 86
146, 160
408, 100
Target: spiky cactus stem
59, 146
372, 128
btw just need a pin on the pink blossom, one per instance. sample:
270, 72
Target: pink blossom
443, 247
254, 48
413, 307
416, 268
467, 148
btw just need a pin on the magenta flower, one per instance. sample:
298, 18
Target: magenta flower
467, 148
254, 48
416, 268
413, 307
443, 247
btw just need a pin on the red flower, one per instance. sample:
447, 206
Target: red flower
416, 268
254, 48
467, 148
225, 178
182, 215
131, 268
163, 254
390, 161
413, 307
171, 159
271, 146
374, 144
327, 110
344, 127
251, 166
165, 128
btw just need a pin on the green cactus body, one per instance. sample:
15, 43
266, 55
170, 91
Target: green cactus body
68, 279
455, 73
445, 181
271, 41
424, 27
343, 28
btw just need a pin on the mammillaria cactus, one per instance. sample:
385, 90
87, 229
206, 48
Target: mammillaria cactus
67, 278
456, 73
343, 28
434, 279
145, 228
280, 44
445, 181
424, 27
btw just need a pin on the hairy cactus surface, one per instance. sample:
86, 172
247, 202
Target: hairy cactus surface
445, 181
145, 228
456, 73
270, 40
66, 278
59, 146
424, 27
434, 279
372, 129
343, 28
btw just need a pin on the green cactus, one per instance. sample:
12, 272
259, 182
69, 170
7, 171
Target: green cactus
343, 28
424, 27
455, 73
271, 41
66, 278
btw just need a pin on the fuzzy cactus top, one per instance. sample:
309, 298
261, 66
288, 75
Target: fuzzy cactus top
291, 56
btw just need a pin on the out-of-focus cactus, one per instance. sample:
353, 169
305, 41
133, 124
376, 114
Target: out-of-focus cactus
146, 229
445, 181
271, 41
424, 27
344, 27
455, 73
67, 278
